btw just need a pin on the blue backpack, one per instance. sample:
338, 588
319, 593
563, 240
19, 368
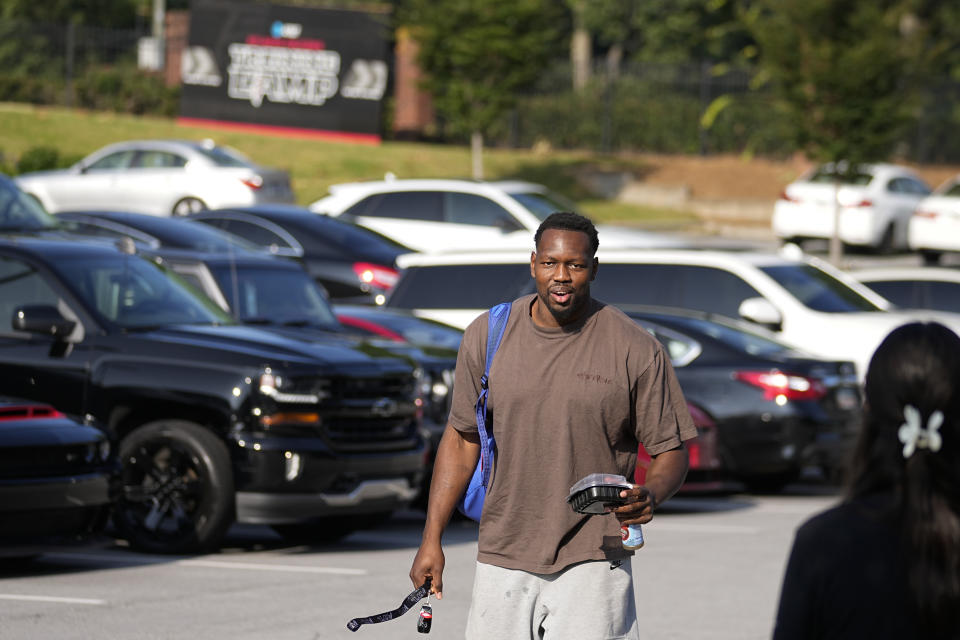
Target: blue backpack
471, 504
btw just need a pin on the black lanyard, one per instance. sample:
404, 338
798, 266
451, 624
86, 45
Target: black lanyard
412, 599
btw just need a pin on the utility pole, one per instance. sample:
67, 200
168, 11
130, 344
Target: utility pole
159, 33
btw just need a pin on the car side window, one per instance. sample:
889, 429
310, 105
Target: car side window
21, 284
159, 160
684, 286
117, 160
405, 205
468, 208
920, 188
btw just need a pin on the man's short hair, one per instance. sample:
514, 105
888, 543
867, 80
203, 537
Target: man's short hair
569, 221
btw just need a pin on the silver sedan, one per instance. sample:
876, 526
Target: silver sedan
158, 177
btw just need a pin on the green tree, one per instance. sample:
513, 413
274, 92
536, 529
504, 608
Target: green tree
844, 74
477, 55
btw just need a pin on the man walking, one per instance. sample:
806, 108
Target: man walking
574, 387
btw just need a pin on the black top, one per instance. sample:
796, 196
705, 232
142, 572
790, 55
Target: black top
845, 579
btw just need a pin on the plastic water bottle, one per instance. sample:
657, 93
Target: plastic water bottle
632, 536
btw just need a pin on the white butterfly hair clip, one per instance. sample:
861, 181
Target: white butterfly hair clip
914, 437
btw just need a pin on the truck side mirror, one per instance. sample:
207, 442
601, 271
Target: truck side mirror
43, 319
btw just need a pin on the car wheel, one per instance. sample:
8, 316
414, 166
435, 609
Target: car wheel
177, 488
885, 245
325, 530
186, 206
930, 258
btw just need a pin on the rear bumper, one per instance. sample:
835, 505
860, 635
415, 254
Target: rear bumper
55, 508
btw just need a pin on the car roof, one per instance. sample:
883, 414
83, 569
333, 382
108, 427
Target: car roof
906, 273
49, 250
612, 256
435, 184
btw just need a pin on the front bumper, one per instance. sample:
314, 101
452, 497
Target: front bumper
289, 480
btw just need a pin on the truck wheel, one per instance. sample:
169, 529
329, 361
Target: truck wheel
325, 530
177, 488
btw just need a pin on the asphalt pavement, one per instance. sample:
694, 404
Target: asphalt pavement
711, 568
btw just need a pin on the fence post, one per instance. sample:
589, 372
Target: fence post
70, 53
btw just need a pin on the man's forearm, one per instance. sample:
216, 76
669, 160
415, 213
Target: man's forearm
666, 473
456, 459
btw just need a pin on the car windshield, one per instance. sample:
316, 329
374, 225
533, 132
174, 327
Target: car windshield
734, 337
542, 204
818, 290
20, 212
223, 157
952, 190
263, 295
134, 293
460, 286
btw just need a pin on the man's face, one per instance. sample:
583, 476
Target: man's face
563, 268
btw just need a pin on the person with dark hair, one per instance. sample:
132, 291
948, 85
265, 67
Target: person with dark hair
573, 389
885, 563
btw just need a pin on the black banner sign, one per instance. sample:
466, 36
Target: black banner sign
288, 67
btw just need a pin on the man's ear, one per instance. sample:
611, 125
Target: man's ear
533, 262
596, 267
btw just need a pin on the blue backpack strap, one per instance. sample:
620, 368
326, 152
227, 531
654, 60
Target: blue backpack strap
471, 503
496, 325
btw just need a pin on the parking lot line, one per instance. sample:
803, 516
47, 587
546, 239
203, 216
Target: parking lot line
133, 559
18, 596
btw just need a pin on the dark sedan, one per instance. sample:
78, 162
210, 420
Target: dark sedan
776, 411
352, 263
58, 478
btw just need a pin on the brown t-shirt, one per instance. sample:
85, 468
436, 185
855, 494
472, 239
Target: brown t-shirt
566, 403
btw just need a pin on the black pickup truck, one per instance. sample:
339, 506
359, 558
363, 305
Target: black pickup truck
215, 422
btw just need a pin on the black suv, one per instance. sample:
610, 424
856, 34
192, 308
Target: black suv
215, 423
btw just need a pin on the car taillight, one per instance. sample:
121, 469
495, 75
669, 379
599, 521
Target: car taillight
862, 203
28, 412
375, 274
923, 213
254, 182
781, 387
786, 196
703, 451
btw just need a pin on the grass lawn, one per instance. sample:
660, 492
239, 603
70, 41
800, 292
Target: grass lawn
315, 165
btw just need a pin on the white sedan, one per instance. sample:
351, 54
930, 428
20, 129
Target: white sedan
935, 226
442, 215
875, 200
158, 177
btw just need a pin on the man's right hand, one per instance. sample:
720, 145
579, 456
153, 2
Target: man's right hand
429, 564
456, 458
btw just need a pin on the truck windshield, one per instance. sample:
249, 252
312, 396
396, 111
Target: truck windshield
133, 293
260, 295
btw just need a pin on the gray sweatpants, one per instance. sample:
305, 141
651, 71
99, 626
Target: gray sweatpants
587, 601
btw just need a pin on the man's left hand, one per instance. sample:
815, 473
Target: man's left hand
639, 507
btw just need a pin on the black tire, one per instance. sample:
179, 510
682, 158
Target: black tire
177, 488
885, 247
327, 530
185, 206
930, 258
